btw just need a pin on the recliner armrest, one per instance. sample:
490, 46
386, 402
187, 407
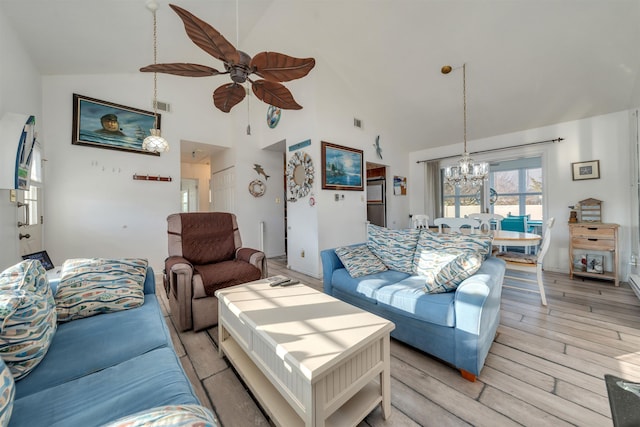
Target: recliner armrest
253, 257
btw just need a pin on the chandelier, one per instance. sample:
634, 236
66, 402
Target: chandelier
466, 172
155, 142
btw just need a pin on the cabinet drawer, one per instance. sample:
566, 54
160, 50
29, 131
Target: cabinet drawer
593, 243
592, 232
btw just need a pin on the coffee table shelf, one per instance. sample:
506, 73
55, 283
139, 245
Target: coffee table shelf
309, 359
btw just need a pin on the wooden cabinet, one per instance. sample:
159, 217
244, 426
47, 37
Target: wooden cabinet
593, 239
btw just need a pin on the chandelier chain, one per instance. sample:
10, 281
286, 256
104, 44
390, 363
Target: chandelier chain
464, 103
155, 75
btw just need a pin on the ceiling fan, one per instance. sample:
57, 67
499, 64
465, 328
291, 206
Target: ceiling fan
272, 67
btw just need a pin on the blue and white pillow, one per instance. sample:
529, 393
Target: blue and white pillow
95, 285
7, 394
479, 243
169, 416
394, 247
359, 260
27, 317
445, 270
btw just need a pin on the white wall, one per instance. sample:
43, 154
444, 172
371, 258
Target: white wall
605, 138
20, 92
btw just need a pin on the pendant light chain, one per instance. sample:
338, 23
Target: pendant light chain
155, 142
464, 102
155, 75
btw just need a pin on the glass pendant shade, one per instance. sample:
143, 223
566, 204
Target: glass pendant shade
155, 143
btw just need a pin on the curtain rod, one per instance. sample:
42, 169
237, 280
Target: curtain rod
547, 141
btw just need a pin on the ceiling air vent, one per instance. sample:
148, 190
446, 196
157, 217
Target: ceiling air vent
357, 123
163, 106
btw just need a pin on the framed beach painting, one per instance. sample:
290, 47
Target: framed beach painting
104, 124
342, 167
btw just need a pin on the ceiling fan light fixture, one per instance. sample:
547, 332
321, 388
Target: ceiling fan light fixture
467, 171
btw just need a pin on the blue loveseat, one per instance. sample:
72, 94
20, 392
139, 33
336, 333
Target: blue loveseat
99, 369
457, 327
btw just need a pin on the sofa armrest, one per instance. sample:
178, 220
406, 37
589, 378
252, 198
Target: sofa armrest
150, 282
330, 263
477, 311
253, 257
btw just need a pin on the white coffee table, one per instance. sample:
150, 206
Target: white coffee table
310, 359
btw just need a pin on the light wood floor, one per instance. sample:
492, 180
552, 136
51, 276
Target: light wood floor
545, 368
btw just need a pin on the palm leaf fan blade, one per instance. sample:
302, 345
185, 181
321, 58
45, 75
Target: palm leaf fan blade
228, 96
181, 69
279, 67
275, 94
206, 37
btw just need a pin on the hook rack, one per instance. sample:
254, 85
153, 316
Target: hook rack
152, 178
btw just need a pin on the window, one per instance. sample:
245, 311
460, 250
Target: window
460, 201
517, 183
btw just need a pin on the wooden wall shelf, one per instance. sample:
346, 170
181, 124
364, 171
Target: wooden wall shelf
152, 178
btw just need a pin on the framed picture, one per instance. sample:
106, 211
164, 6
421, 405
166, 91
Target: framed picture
341, 167
399, 185
107, 125
586, 170
595, 264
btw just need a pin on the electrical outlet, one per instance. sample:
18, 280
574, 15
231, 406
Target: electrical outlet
336, 197
302, 253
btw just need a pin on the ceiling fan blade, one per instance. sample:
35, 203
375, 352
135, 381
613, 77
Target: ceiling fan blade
182, 69
275, 94
206, 37
279, 67
228, 95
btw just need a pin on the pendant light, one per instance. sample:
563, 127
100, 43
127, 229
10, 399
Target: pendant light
466, 172
155, 142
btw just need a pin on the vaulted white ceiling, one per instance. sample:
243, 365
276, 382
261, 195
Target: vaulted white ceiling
530, 63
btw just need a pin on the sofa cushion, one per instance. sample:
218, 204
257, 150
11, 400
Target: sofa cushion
365, 286
147, 381
444, 270
169, 416
408, 297
27, 317
7, 393
394, 247
359, 260
91, 286
96, 343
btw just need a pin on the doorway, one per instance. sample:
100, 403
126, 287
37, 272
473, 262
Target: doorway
377, 194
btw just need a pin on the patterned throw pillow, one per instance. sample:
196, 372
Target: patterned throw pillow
359, 260
445, 270
169, 416
394, 247
27, 316
96, 285
7, 393
480, 243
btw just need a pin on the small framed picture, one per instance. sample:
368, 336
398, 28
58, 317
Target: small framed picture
586, 170
595, 264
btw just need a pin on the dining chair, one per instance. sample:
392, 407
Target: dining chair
529, 263
420, 221
486, 219
455, 224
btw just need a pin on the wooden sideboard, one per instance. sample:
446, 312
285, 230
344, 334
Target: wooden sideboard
594, 239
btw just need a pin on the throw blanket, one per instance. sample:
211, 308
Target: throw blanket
208, 238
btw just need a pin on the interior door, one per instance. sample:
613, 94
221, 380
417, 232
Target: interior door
223, 190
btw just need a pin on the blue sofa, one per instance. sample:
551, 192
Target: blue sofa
101, 368
457, 327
